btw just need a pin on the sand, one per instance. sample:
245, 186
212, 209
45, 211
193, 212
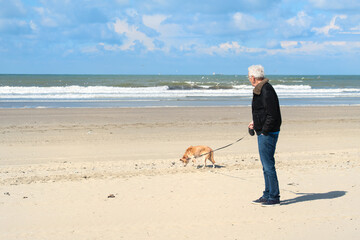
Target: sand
116, 174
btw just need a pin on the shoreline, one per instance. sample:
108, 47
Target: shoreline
221, 105
159, 107
181, 106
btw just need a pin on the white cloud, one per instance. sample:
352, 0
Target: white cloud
288, 44
33, 26
16, 26
357, 28
272, 43
245, 22
90, 49
226, 48
170, 35
297, 25
154, 21
165, 30
300, 20
47, 17
287, 48
132, 36
332, 26
131, 12
316, 48
353, 31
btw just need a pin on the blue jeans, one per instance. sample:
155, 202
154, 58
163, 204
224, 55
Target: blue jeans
267, 146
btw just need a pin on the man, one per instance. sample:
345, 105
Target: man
266, 123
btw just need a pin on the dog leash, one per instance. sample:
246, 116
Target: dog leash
223, 146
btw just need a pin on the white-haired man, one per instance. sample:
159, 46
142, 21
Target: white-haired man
266, 123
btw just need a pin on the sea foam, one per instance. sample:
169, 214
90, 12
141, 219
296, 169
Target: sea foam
160, 92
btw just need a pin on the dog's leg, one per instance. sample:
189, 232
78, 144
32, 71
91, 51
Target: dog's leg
212, 159
205, 162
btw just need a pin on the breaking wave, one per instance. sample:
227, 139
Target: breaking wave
168, 92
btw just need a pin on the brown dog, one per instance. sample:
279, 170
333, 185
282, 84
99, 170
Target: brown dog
197, 151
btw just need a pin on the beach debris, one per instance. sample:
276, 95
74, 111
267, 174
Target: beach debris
7, 193
292, 184
111, 196
25, 197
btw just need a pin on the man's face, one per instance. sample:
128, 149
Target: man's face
251, 80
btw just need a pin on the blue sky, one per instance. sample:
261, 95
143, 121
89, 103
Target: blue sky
179, 37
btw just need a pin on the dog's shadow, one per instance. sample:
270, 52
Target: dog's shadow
305, 197
210, 166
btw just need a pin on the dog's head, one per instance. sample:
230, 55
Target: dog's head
185, 160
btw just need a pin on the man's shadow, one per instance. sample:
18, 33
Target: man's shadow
313, 196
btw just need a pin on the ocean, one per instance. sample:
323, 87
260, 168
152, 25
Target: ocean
109, 91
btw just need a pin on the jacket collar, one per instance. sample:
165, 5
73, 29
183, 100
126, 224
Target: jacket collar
257, 89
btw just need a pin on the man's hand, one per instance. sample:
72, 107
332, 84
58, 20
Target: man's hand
251, 129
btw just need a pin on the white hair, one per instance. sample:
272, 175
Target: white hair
257, 71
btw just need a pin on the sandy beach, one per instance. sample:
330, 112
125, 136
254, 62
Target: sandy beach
116, 174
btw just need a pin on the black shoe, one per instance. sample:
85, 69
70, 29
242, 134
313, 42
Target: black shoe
271, 203
260, 201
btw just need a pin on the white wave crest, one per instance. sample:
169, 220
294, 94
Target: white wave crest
104, 92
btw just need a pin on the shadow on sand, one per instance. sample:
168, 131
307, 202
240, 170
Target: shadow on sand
313, 196
209, 166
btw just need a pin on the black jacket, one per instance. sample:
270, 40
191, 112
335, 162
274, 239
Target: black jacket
265, 109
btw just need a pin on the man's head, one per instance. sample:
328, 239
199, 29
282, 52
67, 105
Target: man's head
256, 74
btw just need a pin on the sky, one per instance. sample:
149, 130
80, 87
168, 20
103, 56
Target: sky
179, 36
